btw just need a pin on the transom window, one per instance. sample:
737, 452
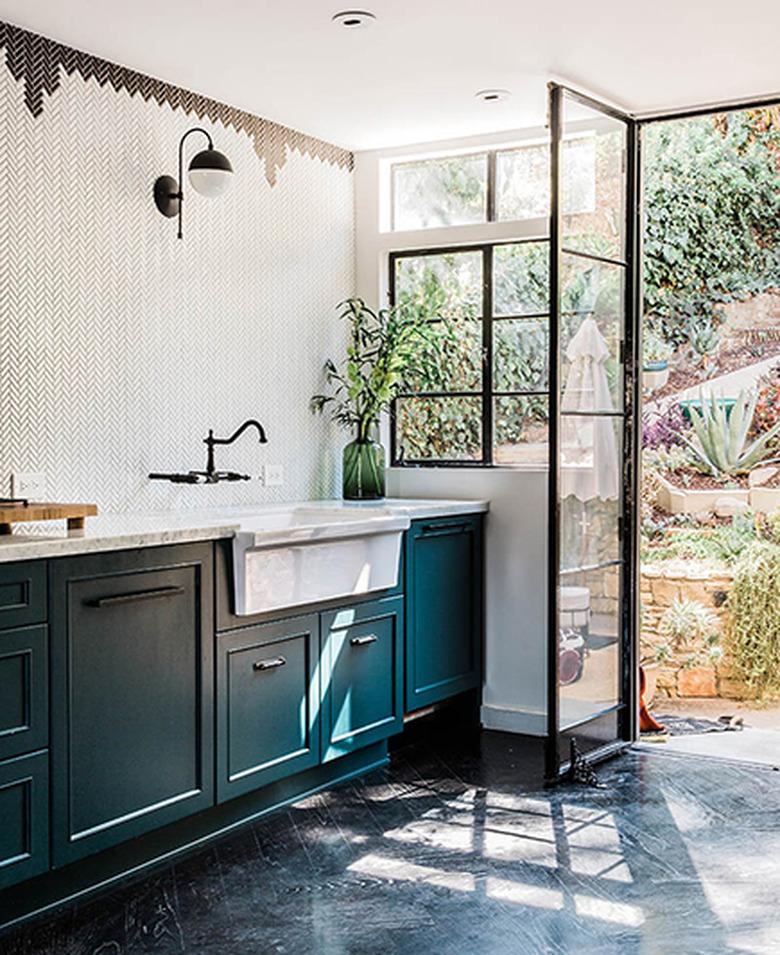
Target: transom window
497, 185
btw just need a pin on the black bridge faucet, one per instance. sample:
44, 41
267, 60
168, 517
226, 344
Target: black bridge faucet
211, 475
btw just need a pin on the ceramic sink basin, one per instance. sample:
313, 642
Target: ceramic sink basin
288, 557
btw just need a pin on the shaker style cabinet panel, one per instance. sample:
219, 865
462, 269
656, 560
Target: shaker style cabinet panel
361, 675
24, 818
132, 694
444, 609
22, 593
24, 708
267, 704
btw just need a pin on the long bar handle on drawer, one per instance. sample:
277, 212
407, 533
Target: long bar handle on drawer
363, 641
135, 595
271, 664
432, 529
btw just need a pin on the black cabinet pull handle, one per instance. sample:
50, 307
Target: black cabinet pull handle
363, 641
154, 594
432, 529
271, 664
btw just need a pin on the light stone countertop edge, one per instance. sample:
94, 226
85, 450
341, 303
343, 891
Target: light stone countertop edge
112, 532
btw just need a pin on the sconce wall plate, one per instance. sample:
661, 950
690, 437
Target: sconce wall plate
166, 196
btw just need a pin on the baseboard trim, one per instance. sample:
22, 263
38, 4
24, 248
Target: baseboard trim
509, 720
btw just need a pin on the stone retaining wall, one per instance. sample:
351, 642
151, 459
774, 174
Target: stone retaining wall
659, 590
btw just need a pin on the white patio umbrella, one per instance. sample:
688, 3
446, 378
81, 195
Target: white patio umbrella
589, 454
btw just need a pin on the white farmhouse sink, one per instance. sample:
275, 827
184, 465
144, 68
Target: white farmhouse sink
288, 557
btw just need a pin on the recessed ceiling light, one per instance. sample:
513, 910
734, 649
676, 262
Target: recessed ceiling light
354, 19
492, 96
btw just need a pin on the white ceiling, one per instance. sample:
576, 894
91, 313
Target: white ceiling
412, 76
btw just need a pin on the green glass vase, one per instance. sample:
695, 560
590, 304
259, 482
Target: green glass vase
364, 470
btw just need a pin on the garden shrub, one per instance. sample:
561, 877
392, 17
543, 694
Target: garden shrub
712, 203
754, 617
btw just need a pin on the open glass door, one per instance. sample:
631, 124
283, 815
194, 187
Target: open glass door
592, 602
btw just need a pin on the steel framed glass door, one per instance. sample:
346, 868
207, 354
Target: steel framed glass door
594, 358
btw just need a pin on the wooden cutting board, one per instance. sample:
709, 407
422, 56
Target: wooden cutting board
17, 513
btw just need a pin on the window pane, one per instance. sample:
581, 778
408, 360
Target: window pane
523, 182
590, 659
455, 358
594, 183
440, 192
439, 429
520, 430
520, 354
591, 331
589, 529
521, 278
444, 286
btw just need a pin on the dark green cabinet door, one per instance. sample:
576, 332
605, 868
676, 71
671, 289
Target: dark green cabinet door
132, 694
267, 704
22, 593
361, 675
444, 609
24, 708
24, 818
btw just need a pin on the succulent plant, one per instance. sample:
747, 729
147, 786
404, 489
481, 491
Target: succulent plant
703, 336
719, 446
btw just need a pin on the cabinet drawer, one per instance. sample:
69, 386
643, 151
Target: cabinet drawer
24, 709
132, 654
24, 818
267, 704
444, 582
22, 593
362, 657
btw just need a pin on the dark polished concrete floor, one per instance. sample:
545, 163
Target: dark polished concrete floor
452, 851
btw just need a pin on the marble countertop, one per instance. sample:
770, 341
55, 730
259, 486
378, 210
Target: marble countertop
153, 529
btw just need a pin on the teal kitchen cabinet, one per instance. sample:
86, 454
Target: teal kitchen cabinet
24, 818
24, 676
22, 593
267, 703
444, 594
132, 651
361, 675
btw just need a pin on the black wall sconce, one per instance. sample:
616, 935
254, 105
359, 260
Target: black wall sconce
210, 174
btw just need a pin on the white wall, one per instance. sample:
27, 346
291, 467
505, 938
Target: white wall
514, 694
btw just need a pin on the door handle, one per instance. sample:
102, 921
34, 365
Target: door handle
363, 641
153, 594
270, 664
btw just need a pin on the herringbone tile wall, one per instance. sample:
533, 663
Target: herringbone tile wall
120, 345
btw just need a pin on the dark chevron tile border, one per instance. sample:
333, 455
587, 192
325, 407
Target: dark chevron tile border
38, 61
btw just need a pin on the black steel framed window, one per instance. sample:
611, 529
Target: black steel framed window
492, 387
491, 204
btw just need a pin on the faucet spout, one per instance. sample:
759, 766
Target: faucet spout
250, 423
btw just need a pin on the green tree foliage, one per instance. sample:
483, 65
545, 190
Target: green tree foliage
712, 216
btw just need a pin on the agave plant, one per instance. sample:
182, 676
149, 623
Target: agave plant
720, 446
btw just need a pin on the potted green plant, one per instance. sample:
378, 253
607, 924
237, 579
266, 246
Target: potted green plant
656, 352
386, 349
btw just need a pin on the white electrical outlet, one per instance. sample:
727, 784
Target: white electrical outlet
273, 475
29, 484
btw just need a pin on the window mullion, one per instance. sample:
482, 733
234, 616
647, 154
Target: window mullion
487, 353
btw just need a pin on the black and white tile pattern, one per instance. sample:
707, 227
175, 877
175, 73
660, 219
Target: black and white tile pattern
119, 345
